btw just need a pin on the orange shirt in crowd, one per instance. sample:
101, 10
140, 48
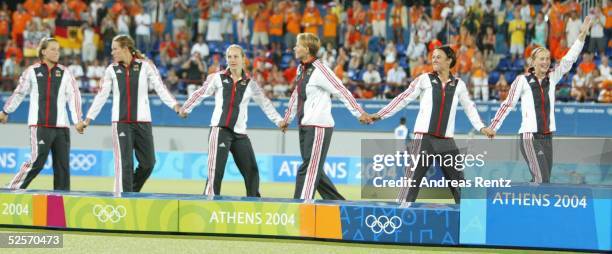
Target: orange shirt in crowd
608, 12
356, 17
353, 38
276, 24
587, 67
20, 20
34, 7
436, 13
14, 51
464, 63
261, 22
117, 7
311, 21
330, 26
378, 10
77, 6
339, 71
4, 27
293, 23
52, 9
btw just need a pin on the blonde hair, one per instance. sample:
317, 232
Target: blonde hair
311, 42
235, 46
534, 54
44, 44
127, 41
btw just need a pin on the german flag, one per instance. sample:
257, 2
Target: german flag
67, 33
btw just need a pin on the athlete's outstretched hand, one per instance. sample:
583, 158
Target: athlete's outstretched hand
80, 127
488, 132
283, 126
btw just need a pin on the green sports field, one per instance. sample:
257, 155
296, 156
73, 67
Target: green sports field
99, 242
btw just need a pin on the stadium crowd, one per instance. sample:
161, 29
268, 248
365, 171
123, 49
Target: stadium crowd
375, 47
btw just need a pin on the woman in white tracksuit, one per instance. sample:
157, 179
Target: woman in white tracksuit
536, 90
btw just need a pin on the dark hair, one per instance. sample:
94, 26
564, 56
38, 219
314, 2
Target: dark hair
450, 53
403, 120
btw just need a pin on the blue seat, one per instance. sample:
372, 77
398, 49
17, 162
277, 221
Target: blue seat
504, 65
510, 76
518, 65
403, 61
494, 77
285, 60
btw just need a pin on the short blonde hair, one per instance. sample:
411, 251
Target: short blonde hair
235, 46
44, 43
535, 53
311, 42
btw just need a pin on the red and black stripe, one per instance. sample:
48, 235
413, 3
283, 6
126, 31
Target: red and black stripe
442, 101
306, 70
127, 79
233, 92
541, 101
49, 80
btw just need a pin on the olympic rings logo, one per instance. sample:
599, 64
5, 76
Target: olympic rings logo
110, 213
383, 223
82, 162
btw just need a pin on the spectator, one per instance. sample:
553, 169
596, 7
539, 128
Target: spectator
572, 28
378, 9
242, 25
480, 78
540, 30
123, 23
214, 23
587, 65
276, 27
88, 52
174, 83
193, 71
9, 73
292, 26
11, 49
516, 28
597, 42
109, 30
311, 19
561, 50
489, 42
76, 69
20, 19
226, 21
415, 49
180, 15
399, 21
329, 56
260, 27
30, 41
502, 87
396, 76
4, 28
371, 77
356, 16
330, 28
201, 48
604, 68
168, 50
390, 54
158, 18
203, 10
290, 73
95, 72
579, 86
143, 32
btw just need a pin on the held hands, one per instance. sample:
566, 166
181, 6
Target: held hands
488, 132
3, 117
584, 29
80, 127
283, 126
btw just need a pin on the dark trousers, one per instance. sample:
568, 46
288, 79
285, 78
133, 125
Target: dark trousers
43, 139
221, 142
424, 145
314, 143
537, 152
127, 139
